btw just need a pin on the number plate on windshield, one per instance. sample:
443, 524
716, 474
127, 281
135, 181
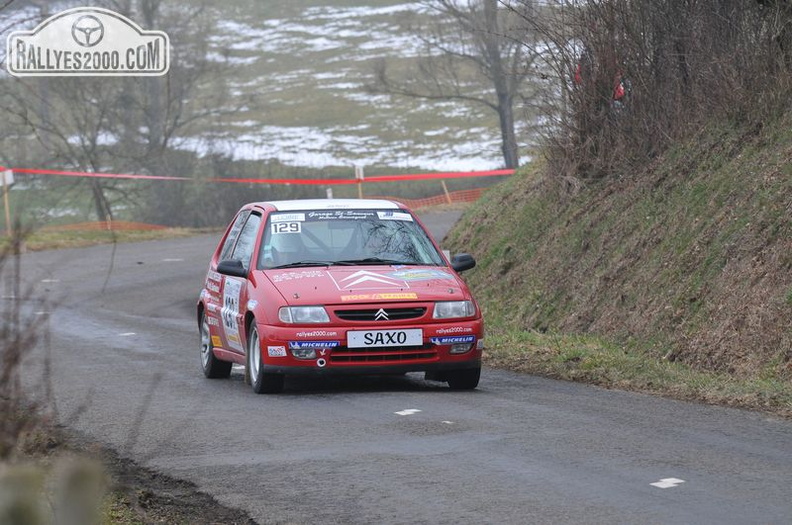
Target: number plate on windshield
382, 338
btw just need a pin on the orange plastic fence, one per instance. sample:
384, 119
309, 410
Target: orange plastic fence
452, 197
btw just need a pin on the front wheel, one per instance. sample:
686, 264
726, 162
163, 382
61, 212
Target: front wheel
262, 383
465, 379
213, 368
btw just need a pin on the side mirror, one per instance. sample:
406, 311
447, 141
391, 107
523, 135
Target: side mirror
232, 267
462, 261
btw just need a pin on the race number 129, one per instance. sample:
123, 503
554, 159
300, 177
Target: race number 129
285, 227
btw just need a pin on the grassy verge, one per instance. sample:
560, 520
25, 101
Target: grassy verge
44, 240
594, 360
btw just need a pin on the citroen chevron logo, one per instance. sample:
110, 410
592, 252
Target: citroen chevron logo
381, 315
366, 280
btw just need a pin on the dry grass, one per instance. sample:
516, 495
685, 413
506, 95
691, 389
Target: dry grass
687, 260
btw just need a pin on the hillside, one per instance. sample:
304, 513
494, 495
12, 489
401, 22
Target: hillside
686, 260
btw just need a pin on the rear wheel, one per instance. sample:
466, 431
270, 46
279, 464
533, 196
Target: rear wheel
213, 368
465, 379
262, 383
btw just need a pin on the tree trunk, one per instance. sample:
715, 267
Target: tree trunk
511, 156
101, 205
503, 93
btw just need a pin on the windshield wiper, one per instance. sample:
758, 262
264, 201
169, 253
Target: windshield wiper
311, 263
376, 260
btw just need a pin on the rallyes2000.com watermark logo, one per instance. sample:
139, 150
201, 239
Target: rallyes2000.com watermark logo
88, 41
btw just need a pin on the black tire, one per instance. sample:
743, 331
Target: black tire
262, 383
465, 379
213, 368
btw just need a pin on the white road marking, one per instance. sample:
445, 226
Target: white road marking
407, 412
172, 260
42, 313
127, 334
448, 422
667, 483
50, 280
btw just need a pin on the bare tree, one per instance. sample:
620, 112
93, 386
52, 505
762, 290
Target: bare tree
633, 76
470, 40
124, 124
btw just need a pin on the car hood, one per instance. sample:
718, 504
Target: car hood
366, 284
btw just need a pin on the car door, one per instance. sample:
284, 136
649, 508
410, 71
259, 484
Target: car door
235, 289
214, 285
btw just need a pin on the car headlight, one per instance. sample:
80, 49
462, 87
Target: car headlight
454, 309
303, 314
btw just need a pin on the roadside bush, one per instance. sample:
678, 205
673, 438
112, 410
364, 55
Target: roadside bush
636, 75
63, 490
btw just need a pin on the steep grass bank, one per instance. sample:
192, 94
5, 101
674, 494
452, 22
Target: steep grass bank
688, 260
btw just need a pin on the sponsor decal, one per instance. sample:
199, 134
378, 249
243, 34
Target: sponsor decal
230, 311
287, 217
420, 275
276, 351
216, 341
294, 276
380, 297
453, 340
336, 215
455, 330
212, 321
88, 41
299, 345
214, 276
394, 216
213, 287
367, 280
252, 304
317, 333
286, 227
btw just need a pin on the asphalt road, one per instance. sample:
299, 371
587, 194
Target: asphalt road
124, 369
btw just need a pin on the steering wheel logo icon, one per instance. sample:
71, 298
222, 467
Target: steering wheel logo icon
88, 31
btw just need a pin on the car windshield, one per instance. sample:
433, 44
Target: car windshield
345, 237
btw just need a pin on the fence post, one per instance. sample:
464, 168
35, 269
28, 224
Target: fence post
445, 190
360, 177
8, 180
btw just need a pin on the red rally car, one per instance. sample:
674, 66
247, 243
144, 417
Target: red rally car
336, 286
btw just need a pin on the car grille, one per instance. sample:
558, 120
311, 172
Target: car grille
343, 354
394, 314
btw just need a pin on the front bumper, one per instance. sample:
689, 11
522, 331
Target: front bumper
333, 356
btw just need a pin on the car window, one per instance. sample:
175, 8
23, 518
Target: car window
348, 235
230, 241
247, 240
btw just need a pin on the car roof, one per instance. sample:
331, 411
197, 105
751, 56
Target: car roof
332, 204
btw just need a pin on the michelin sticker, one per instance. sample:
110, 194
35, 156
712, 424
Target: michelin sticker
460, 339
299, 345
